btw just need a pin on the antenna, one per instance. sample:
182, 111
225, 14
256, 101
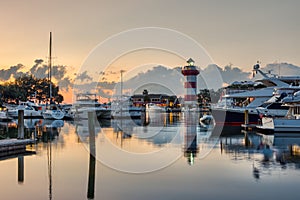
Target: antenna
122, 71
50, 66
255, 68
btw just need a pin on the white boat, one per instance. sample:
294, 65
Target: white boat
206, 119
124, 108
87, 102
273, 106
289, 123
30, 110
232, 106
67, 110
53, 112
152, 107
4, 117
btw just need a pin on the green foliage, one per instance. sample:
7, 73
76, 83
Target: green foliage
28, 86
206, 96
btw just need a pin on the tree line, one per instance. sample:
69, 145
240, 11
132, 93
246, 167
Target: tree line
206, 96
27, 87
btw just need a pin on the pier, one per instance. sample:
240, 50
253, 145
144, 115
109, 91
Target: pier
10, 147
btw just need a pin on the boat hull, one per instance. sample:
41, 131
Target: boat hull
229, 117
27, 114
101, 113
280, 125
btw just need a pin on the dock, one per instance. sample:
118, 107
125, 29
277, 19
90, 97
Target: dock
14, 146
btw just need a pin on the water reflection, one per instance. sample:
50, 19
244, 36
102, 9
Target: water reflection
190, 137
263, 156
266, 153
92, 161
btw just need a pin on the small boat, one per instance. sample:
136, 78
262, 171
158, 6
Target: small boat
67, 110
53, 112
152, 107
206, 119
124, 108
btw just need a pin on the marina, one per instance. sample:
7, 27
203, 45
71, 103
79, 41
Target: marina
150, 100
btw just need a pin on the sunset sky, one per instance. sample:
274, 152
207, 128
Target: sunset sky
231, 31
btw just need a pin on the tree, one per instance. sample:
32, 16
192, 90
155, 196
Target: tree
24, 87
146, 96
208, 96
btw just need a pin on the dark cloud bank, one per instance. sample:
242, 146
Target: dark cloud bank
159, 78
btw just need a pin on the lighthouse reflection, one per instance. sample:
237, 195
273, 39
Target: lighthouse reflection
190, 146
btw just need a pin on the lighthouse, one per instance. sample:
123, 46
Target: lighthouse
190, 72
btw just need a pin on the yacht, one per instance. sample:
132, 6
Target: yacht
231, 108
290, 122
30, 110
87, 102
274, 106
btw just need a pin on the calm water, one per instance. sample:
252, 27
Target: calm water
169, 157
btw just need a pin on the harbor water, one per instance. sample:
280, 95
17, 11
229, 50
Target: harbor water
161, 156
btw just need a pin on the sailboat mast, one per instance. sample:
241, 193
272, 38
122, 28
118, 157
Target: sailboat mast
50, 66
121, 83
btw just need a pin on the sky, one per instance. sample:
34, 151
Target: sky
226, 32
232, 31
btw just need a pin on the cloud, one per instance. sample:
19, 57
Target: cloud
6, 74
106, 85
231, 74
39, 70
83, 77
59, 71
65, 83
283, 69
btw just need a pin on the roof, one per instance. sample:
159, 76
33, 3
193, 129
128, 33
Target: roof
264, 92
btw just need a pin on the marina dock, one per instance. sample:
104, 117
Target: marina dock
14, 146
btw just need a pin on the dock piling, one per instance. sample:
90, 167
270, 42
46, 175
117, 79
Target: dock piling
246, 117
92, 162
20, 124
20, 169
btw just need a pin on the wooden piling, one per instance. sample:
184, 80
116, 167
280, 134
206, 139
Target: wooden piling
20, 169
20, 124
246, 116
92, 163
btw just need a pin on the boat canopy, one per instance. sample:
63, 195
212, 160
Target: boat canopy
264, 92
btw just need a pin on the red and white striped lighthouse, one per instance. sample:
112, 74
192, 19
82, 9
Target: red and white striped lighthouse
190, 72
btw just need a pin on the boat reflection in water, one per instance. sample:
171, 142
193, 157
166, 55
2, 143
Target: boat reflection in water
267, 154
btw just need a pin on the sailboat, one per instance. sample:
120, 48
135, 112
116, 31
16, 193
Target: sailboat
52, 111
123, 108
